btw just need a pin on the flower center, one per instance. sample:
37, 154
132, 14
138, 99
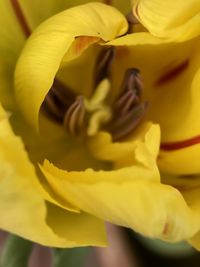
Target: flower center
82, 116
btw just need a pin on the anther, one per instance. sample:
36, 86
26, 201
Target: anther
122, 126
130, 92
128, 110
74, 117
63, 93
132, 81
51, 108
103, 65
57, 101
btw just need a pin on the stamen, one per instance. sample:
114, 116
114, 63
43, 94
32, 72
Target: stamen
51, 108
63, 93
125, 101
128, 110
74, 117
129, 102
57, 101
103, 65
132, 81
82, 116
122, 126
131, 89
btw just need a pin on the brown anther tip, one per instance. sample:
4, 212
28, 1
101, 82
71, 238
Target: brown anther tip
132, 81
134, 71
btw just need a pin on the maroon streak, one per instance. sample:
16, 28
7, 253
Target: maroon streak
21, 18
172, 74
180, 144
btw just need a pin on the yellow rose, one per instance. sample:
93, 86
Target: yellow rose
108, 170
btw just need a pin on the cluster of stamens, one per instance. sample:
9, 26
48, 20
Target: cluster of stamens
81, 116
128, 109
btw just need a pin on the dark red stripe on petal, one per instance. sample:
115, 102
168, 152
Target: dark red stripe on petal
172, 74
21, 18
181, 144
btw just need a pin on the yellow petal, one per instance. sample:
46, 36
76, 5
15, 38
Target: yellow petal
177, 20
183, 161
12, 41
82, 229
79, 72
141, 146
195, 241
189, 187
44, 51
131, 195
128, 197
21, 194
35, 13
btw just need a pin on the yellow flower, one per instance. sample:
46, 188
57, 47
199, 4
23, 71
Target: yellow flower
107, 172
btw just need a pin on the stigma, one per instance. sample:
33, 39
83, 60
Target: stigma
83, 116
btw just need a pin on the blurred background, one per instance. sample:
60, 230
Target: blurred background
126, 249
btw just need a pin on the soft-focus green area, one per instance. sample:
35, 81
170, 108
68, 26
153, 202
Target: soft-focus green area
71, 257
16, 252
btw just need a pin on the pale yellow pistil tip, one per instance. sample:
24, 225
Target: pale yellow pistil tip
97, 107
